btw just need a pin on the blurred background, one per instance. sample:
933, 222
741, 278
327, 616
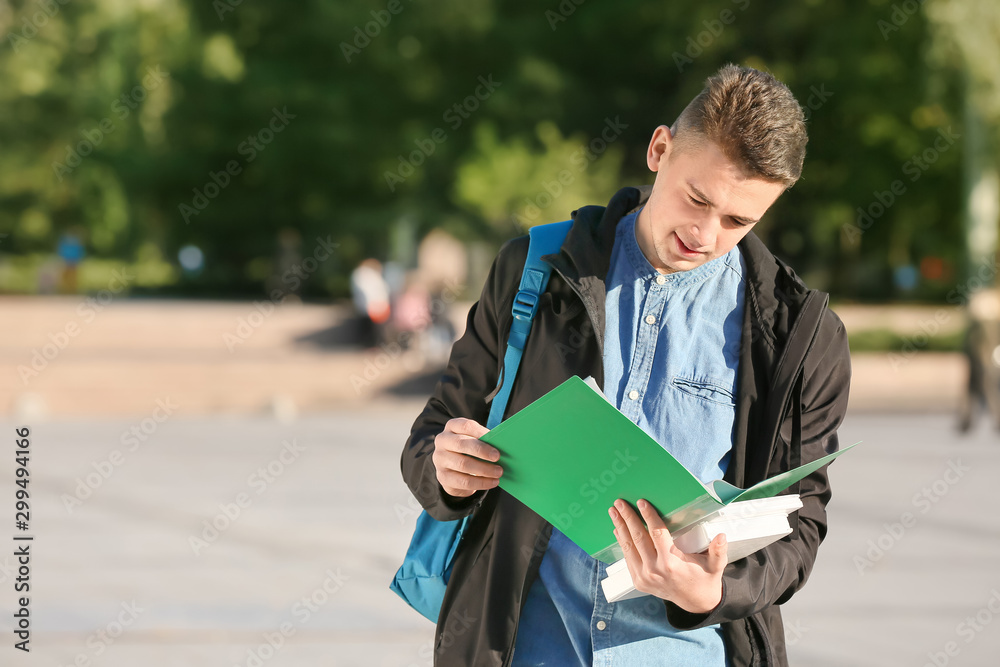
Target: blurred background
237, 240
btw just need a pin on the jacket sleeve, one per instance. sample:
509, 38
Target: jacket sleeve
462, 391
771, 575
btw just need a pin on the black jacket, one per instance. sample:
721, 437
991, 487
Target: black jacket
792, 382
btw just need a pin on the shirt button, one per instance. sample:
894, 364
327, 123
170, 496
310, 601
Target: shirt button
650, 319
601, 625
633, 394
660, 280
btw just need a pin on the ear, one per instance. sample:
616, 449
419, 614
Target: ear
659, 147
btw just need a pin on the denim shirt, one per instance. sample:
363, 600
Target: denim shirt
670, 360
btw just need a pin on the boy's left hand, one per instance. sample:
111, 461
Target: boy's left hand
691, 581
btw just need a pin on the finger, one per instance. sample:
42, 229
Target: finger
460, 481
464, 426
461, 463
662, 539
636, 530
632, 560
467, 444
718, 554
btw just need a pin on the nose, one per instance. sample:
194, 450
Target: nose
703, 234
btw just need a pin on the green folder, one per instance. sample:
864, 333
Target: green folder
570, 454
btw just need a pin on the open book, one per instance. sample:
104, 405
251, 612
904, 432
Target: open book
570, 454
749, 525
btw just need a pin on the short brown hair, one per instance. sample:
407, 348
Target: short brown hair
754, 120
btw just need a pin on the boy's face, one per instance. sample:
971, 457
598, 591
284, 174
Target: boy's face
701, 204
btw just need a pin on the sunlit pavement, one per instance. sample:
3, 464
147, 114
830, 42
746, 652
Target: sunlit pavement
230, 357
312, 518
908, 573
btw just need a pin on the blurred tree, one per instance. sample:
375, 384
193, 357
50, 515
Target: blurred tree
513, 187
223, 125
967, 39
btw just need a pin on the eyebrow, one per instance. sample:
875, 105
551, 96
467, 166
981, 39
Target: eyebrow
701, 195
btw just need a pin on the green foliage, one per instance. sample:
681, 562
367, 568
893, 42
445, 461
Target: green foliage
147, 271
966, 37
508, 181
886, 340
164, 96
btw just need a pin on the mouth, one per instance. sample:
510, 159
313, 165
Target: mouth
684, 250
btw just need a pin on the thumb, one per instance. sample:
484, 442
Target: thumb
718, 553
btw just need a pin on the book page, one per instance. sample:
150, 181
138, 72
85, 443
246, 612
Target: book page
774, 485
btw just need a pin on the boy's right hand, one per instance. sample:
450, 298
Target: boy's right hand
463, 462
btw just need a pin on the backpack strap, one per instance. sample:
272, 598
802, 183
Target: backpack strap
543, 240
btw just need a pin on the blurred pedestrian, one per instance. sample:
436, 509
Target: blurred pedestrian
412, 314
370, 293
982, 353
441, 331
71, 251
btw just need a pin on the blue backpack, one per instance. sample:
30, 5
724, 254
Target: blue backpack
424, 574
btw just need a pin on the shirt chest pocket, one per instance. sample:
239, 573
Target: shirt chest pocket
705, 387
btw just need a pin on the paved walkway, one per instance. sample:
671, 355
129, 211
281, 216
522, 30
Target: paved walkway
312, 519
67, 357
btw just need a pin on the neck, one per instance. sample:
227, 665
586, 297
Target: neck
644, 237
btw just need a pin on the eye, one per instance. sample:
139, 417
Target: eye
696, 202
739, 224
